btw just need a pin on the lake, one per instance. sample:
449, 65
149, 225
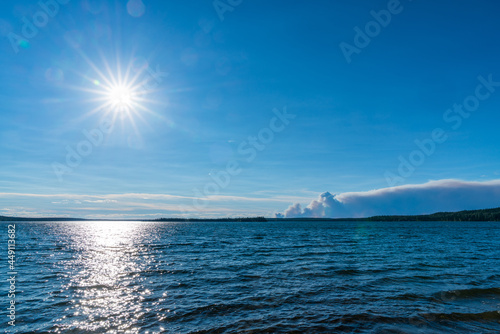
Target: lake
266, 277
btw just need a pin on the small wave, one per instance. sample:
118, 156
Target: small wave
407, 296
483, 316
468, 294
250, 277
348, 272
93, 287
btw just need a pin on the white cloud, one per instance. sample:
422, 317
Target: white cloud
101, 201
138, 205
430, 197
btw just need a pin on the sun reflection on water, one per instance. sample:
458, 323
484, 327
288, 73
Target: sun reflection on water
106, 278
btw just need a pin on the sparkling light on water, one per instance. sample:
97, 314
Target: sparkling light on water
107, 294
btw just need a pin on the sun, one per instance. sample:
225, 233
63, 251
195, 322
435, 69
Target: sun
121, 97
123, 93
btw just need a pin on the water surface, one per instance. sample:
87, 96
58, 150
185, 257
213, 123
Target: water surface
276, 277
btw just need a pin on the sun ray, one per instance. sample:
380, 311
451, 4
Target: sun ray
121, 92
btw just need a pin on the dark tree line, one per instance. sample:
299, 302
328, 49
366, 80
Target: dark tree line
466, 216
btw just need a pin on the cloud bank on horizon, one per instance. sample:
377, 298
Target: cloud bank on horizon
427, 198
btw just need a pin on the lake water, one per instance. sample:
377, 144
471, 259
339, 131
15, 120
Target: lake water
276, 277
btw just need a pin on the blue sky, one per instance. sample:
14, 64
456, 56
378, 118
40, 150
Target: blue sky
216, 82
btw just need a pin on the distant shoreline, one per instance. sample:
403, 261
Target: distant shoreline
466, 215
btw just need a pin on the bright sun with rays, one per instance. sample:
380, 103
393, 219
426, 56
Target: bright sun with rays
121, 97
124, 94
121, 93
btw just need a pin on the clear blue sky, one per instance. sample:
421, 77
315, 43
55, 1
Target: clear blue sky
353, 120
